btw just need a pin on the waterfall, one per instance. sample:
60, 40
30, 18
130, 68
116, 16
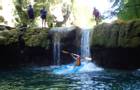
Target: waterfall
86, 65
56, 48
85, 43
58, 32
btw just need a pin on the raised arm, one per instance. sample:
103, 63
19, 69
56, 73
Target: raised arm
74, 56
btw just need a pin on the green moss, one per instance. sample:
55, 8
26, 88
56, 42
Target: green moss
102, 36
36, 38
119, 22
117, 34
1, 19
31, 37
134, 42
8, 37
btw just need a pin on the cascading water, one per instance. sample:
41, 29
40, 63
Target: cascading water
58, 32
85, 52
85, 45
86, 65
56, 48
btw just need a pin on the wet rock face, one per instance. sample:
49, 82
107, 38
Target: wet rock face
12, 56
117, 58
117, 45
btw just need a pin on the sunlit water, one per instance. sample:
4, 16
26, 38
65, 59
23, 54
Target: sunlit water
38, 79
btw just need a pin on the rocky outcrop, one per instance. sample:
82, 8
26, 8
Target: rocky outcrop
70, 40
35, 46
4, 27
69, 36
24, 47
117, 58
116, 45
117, 34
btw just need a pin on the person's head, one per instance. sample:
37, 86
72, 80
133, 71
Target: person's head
94, 8
43, 7
30, 6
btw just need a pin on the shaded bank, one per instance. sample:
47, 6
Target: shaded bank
117, 58
11, 56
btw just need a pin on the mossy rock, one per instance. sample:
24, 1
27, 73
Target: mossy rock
117, 34
8, 37
36, 38
31, 37
1, 19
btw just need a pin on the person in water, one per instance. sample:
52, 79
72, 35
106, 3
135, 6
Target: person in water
77, 58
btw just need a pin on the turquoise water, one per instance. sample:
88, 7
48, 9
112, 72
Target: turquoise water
31, 79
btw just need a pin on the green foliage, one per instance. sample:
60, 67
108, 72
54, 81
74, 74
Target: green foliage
36, 38
126, 9
117, 34
21, 11
50, 20
8, 37
104, 36
47, 4
1, 19
130, 10
31, 37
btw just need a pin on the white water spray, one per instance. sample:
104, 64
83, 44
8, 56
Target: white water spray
85, 52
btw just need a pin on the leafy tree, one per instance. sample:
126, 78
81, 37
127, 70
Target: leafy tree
125, 9
114, 9
130, 10
21, 11
46, 3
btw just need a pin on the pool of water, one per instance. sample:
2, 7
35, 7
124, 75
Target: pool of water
33, 79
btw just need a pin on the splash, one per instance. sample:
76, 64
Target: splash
86, 66
71, 69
